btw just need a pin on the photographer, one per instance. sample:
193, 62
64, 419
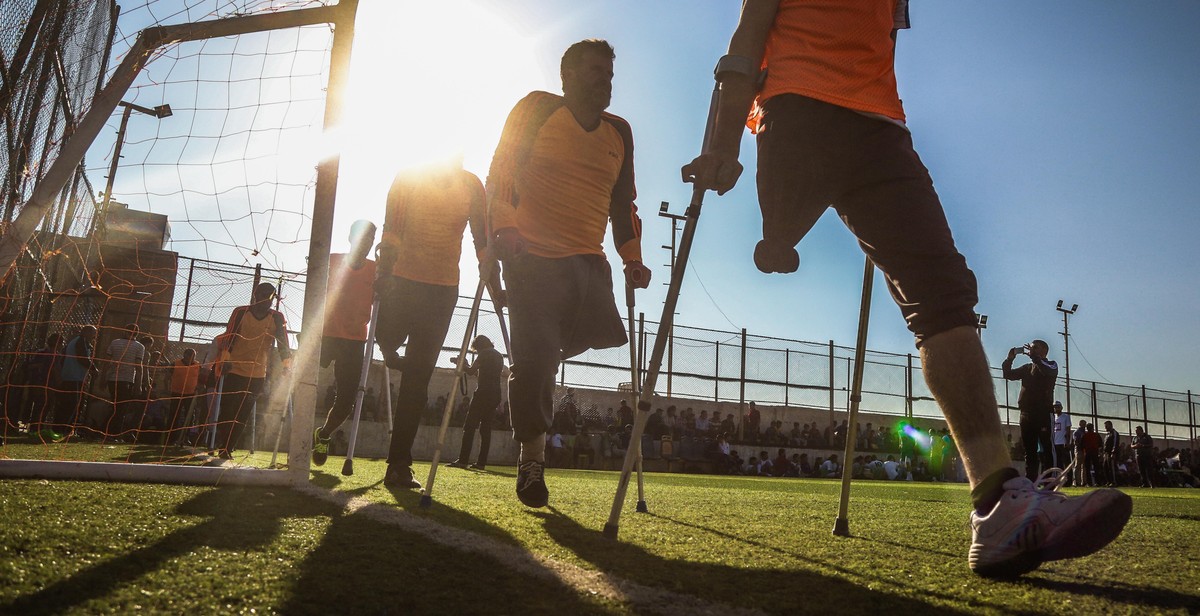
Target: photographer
1035, 402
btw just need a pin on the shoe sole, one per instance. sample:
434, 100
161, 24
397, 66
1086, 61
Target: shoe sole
1096, 531
534, 502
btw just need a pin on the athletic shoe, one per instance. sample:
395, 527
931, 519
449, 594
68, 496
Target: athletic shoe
1033, 523
392, 360
320, 450
477, 467
531, 484
400, 477
458, 464
49, 436
225, 454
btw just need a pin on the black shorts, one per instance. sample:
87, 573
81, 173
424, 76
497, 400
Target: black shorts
813, 155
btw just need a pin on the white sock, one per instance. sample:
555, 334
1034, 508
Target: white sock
534, 449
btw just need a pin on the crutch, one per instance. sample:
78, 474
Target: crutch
841, 527
633, 453
279, 434
387, 393
348, 466
459, 369
635, 387
214, 413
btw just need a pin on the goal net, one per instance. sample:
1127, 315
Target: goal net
203, 177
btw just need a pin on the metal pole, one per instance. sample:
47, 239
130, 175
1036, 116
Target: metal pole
112, 167
742, 375
908, 388
841, 527
832, 380
786, 375
1145, 411
1191, 418
187, 298
717, 374
319, 247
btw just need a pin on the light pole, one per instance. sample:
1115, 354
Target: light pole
675, 220
1066, 334
160, 112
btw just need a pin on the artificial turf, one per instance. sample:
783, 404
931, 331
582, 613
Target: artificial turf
732, 542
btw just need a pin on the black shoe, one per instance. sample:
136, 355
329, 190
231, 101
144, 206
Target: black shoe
224, 454
320, 448
477, 467
531, 484
400, 477
458, 464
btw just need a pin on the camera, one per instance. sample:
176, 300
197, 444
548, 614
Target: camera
1019, 350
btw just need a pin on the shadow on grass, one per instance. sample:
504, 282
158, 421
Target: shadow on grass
238, 520
1134, 598
774, 590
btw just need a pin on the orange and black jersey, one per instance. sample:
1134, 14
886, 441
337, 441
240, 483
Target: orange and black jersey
423, 227
560, 185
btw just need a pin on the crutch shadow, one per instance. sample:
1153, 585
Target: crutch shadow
1134, 598
783, 589
332, 481
237, 519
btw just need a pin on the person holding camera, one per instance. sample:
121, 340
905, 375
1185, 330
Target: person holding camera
1035, 402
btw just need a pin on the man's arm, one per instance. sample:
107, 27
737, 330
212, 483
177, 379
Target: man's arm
718, 168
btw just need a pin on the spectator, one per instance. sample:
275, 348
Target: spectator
1080, 459
1092, 444
736, 464
830, 468
1112, 450
796, 436
656, 425
772, 435
753, 467
1061, 437
43, 370
870, 441
805, 469
184, 388
488, 368
753, 419
702, 425
1143, 447
126, 373
764, 465
794, 466
728, 425
1035, 401
625, 414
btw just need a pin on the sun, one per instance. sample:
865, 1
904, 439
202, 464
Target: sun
428, 81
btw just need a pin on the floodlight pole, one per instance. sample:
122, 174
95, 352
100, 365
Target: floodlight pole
980, 324
1066, 334
160, 112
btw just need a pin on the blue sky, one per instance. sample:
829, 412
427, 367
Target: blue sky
1062, 138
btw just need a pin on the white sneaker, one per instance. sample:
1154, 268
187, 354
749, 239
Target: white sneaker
1033, 523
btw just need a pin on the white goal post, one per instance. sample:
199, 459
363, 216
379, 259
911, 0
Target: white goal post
303, 384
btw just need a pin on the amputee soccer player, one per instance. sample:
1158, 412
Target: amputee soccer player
250, 334
417, 284
347, 312
831, 130
562, 170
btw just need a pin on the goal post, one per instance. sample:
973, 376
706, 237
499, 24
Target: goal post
302, 382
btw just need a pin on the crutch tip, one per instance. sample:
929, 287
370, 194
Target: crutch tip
348, 469
610, 530
426, 501
641, 507
841, 527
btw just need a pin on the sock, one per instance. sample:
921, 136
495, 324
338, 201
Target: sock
989, 491
534, 449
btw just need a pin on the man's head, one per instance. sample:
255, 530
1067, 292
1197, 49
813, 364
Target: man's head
88, 333
53, 340
1038, 349
1108, 427
362, 237
264, 293
587, 71
1057, 407
482, 343
1139, 430
131, 331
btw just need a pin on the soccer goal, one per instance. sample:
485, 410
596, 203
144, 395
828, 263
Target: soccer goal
209, 190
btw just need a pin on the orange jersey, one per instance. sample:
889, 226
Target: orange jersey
560, 185
837, 51
426, 216
245, 353
348, 302
184, 377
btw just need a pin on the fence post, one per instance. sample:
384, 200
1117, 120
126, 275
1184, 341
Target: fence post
832, 380
908, 388
1164, 401
717, 374
1145, 411
1191, 419
670, 354
742, 391
787, 354
187, 298
1095, 414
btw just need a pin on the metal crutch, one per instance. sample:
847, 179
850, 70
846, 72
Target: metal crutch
369, 352
841, 527
633, 453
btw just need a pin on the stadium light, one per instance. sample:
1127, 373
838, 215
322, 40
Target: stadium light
1066, 334
980, 324
160, 112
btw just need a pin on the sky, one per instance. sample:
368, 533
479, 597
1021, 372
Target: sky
1061, 138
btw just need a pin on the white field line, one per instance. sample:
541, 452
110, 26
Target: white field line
639, 596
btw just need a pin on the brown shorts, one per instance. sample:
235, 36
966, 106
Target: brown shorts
813, 155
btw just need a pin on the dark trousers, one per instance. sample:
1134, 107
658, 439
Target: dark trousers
558, 308
1146, 470
346, 357
1035, 432
479, 415
67, 406
181, 412
238, 396
417, 315
1110, 469
125, 408
1092, 470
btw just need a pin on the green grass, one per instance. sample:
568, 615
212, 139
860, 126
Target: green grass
748, 543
